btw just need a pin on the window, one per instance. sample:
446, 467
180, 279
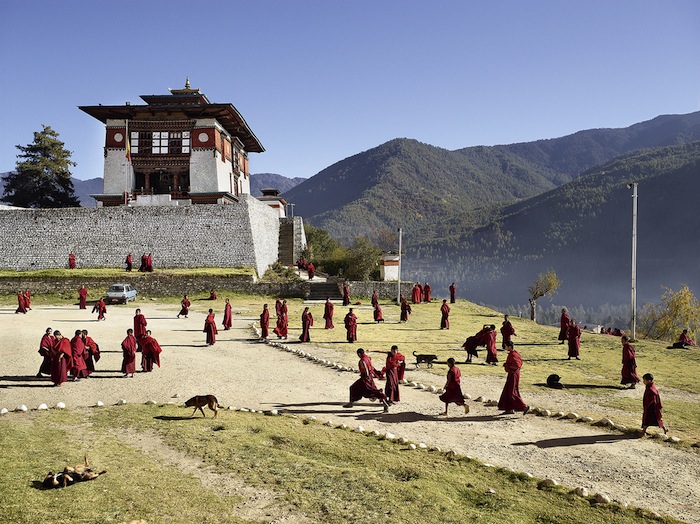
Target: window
160, 142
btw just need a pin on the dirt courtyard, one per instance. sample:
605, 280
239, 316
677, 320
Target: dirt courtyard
243, 372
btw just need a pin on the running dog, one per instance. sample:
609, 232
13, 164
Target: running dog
200, 401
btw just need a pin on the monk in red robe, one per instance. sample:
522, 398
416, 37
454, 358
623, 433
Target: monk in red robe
417, 293
184, 307
129, 262
228, 317
453, 388
510, 400
284, 309
129, 347
60, 359
45, 346
307, 320
71, 261
574, 337
375, 298
21, 304
489, 338
278, 307
378, 316
365, 386
144, 263
77, 348
652, 405
563, 326
394, 371
92, 351
282, 327
27, 299
149, 263
445, 311
684, 340
151, 351
212, 294
311, 270
629, 364
351, 326
101, 309
507, 331
140, 324
346, 295
328, 313
210, 328
82, 297
405, 310
427, 290
453, 293
265, 323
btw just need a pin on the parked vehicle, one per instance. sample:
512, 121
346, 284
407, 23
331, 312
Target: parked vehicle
120, 293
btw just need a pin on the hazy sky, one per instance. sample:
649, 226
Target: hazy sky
318, 81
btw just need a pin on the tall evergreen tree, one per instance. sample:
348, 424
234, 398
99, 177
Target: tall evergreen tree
42, 176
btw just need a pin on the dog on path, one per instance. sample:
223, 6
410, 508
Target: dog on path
199, 401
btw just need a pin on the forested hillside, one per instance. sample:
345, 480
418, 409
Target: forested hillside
582, 230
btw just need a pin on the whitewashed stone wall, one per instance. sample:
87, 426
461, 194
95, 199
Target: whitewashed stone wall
243, 234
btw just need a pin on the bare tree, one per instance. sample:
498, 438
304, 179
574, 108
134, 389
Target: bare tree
545, 284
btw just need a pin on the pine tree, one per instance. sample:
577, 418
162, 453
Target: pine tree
42, 176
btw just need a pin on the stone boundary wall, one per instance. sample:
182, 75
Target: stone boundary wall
385, 290
237, 235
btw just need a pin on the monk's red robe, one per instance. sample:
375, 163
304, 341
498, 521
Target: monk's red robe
129, 346
491, 352
328, 314
21, 305
311, 269
278, 307
79, 368
427, 290
101, 309
629, 365
351, 326
375, 299
685, 339
128, 262
346, 295
416, 294
365, 386
150, 353
140, 324
71, 261
282, 326
405, 310
184, 307
453, 388
652, 407
149, 264
563, 326
378, 316
453, 293
92, 353
510, 397
228, 318
60, 361
265, 323
574, 338
82, 297
445, 320
507, 331
307, 320
144, 263
27, 299
212, 295
45, 351
395, 365
210, 329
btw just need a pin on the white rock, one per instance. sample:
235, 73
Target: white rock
422, 445
559, 414
343, 426
571, 415
312, 417
253, 411
528, 475
231, 408
21, 408
587, 420
675, 440
479, 399
487, 465
412, 445
436, 448
390, 436
422, 386
176, 395
621, 427
433, 389
602, 498
604, 422
546, 413
43, 406
150, 402
664, 437
121, 402
61, 405
466, 396
329, 423
360, 429
581, 491
547, 483
491, 491
4, 411
403, 440
245, 410
99, 404
414, 384
376, 433
274, 412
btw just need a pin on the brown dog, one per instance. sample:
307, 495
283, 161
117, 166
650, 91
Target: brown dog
70, 475
200, 401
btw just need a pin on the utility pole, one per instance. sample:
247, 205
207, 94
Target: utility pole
398, 292
633, 305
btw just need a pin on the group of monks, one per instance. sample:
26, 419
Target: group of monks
308, 266
569, 331
24, 301
421, 293
63, 357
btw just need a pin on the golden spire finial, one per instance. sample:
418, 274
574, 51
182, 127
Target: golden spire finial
187, 82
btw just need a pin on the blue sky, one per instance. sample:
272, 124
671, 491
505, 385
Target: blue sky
318, 81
